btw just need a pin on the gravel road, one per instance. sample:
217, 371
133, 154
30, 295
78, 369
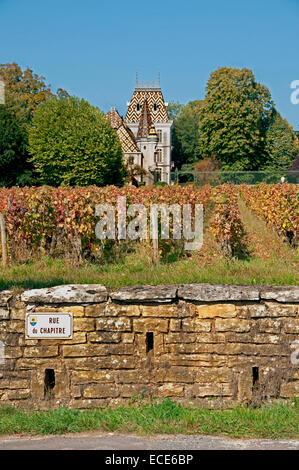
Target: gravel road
114, 441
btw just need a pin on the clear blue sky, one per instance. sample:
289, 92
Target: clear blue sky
93, 48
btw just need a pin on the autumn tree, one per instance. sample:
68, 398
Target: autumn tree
24, 90
234, 119
72, 143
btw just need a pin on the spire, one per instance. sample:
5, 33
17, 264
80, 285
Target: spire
145, 121
114, 118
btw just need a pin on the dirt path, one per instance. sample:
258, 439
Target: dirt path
264, 242
114, 441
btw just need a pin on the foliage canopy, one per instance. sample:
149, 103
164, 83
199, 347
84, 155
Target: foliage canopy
72, 143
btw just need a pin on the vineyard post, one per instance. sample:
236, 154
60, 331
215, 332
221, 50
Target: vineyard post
3, 240
155, 240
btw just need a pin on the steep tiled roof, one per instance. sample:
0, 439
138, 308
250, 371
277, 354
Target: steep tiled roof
114, 118
125, 134
153, 97
127, 139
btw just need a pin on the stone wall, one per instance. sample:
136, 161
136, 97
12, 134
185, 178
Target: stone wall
197, 343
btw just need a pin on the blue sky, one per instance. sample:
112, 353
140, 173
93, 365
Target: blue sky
93, 48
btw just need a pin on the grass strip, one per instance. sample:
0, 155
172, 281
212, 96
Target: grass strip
279, 420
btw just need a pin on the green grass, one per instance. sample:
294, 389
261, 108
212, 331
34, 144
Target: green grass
136, 269
280, 420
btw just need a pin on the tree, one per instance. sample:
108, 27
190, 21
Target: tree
72, 143
234, 118
24, 90
281, 144
187, 131
14, 167
174, 109
185, 137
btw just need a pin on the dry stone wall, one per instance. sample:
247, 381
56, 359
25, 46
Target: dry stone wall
196, 343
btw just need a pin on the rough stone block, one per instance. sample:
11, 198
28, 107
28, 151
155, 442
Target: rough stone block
163, 293
114, 310
5, 297
212, 389
20, 394
132, 376
86, 377
266, 325
232, 324
291, 325
159, 310
100, 391
170, 390
181, 337
130, 390
273, 309
128, 338
4, 313
113, 324
13, 352
175, 325
213, 374
193, 325
216, 310
67, 294
289, 389
90, 350
217, 292
286, 294
150, 325
104, 337
15, 326
41, 351
84, 324
174, 374
97, 310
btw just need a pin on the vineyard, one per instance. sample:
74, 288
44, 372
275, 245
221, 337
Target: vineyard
60, 223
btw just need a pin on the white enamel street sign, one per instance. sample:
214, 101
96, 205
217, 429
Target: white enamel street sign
49, 325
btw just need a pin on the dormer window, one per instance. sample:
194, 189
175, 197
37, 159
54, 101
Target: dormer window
138, 107
155, 107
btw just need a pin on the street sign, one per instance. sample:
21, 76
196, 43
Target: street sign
44, 325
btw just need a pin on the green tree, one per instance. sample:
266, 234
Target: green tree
24, 89
281, 144
72, 143
187, 131
14, 165
185, 136
234, 118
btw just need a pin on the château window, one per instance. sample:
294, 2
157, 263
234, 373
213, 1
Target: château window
158, 156
158, 174
159, 132
155, 107
138, 107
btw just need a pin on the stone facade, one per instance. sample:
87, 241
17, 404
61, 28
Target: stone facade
198, 343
